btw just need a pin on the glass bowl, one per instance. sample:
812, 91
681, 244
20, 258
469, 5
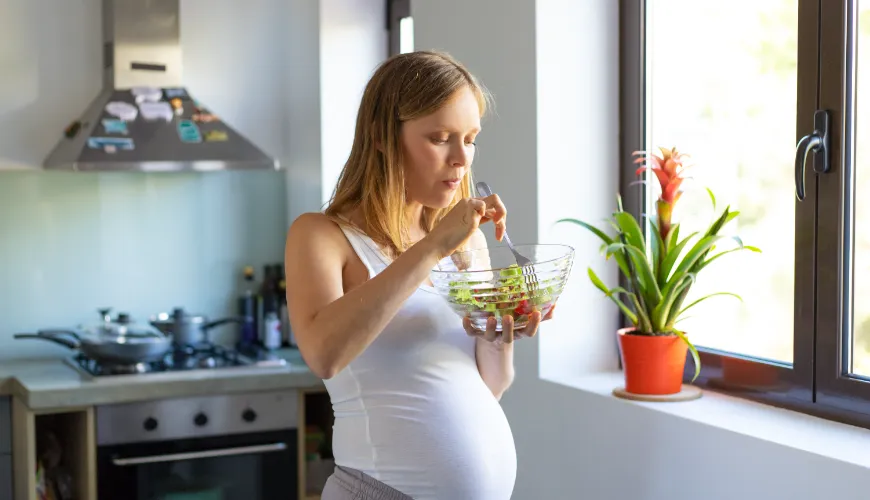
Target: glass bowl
487, 282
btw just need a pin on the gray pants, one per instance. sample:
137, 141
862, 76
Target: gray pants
351, 484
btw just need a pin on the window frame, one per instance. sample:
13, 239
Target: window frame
835, 387
816, 383
396, 11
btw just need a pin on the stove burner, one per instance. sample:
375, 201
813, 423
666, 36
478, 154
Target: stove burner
125, 369
181, 357
95, 368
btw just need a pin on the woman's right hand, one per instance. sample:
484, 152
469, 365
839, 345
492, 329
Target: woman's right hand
463, 220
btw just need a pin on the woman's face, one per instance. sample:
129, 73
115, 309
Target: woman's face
439, 149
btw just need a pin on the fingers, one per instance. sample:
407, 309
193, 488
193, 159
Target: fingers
499, 215
478, 206
531, 327
550, 313
490, 334
470, 329
507, 329
495, 207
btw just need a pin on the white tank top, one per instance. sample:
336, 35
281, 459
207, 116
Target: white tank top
412, 410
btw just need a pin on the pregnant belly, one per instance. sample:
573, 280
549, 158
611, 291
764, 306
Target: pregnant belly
453, 445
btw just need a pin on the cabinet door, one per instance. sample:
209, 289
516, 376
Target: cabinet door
5, 477
5, 427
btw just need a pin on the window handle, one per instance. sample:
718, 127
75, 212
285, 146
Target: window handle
817, 143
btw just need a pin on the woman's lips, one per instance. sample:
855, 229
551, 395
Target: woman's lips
453, 184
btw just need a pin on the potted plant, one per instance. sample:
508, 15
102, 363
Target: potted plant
660, 269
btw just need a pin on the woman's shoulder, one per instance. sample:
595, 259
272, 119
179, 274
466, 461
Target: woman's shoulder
314, 228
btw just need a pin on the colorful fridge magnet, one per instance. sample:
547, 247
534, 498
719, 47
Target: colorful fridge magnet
115, 126
216, 135
188, 131
111, 144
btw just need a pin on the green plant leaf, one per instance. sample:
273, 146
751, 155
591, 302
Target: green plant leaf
610, 294
649, 288
672, 256
606, 239
705, 297
664, 310
712, 197
726, 217
658, 249
597, 281
694, 255
631, 229
695, 357
707, 262
624, 308
620, 261
673, 236
643, 323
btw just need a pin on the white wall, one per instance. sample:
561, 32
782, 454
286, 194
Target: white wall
572, 444
143, 243
335, 46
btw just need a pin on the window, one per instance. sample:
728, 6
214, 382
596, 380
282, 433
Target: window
401, 26
740, 102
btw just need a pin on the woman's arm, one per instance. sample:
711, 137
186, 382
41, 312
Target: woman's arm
331, 327
495, 362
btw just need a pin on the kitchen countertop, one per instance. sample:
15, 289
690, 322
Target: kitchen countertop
45, 383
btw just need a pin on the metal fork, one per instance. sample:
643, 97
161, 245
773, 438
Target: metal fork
484, 190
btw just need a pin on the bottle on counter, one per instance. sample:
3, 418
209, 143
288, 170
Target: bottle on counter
287, 338
272, 333
248, 309
269, 299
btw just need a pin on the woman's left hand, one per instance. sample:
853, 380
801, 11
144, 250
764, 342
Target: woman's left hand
508, 334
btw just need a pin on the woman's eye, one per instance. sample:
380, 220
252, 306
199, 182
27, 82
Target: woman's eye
439, 140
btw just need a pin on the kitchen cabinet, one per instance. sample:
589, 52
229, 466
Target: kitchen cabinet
5, 426
5, 449
316, 461
6, 477
73, 429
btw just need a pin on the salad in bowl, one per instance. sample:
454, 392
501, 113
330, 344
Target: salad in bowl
488, 282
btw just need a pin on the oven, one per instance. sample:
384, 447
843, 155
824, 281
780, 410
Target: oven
226, 447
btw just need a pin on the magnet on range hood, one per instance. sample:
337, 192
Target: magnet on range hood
142, 57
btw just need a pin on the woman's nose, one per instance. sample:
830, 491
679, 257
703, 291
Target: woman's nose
459, 155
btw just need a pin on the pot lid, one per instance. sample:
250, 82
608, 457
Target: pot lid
178, 316
122, 326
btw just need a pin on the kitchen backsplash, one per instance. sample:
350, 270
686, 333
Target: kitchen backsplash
71, 243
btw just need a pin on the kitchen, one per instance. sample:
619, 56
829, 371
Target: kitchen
145, 243
139, 242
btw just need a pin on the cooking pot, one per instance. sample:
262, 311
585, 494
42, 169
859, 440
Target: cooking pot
188, 329
118, 342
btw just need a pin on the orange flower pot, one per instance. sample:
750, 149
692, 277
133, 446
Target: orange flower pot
652, 364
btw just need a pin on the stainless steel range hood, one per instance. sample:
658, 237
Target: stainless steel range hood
144, 120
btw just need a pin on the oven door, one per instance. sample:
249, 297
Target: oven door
255, 466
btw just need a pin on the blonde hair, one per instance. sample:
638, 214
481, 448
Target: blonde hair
404, 87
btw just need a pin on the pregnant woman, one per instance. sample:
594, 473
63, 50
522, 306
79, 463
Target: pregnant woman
415, 390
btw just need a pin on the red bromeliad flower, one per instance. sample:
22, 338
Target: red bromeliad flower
669, 170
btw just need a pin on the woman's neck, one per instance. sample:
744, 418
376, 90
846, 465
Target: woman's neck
414, 219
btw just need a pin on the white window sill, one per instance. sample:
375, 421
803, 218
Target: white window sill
815, 435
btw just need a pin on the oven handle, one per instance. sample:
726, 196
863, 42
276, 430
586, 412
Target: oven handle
224, 452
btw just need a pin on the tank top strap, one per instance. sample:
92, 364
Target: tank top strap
366, 249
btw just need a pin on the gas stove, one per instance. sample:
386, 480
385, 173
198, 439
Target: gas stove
182, 358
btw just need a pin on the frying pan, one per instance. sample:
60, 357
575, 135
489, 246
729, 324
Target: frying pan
110, 350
